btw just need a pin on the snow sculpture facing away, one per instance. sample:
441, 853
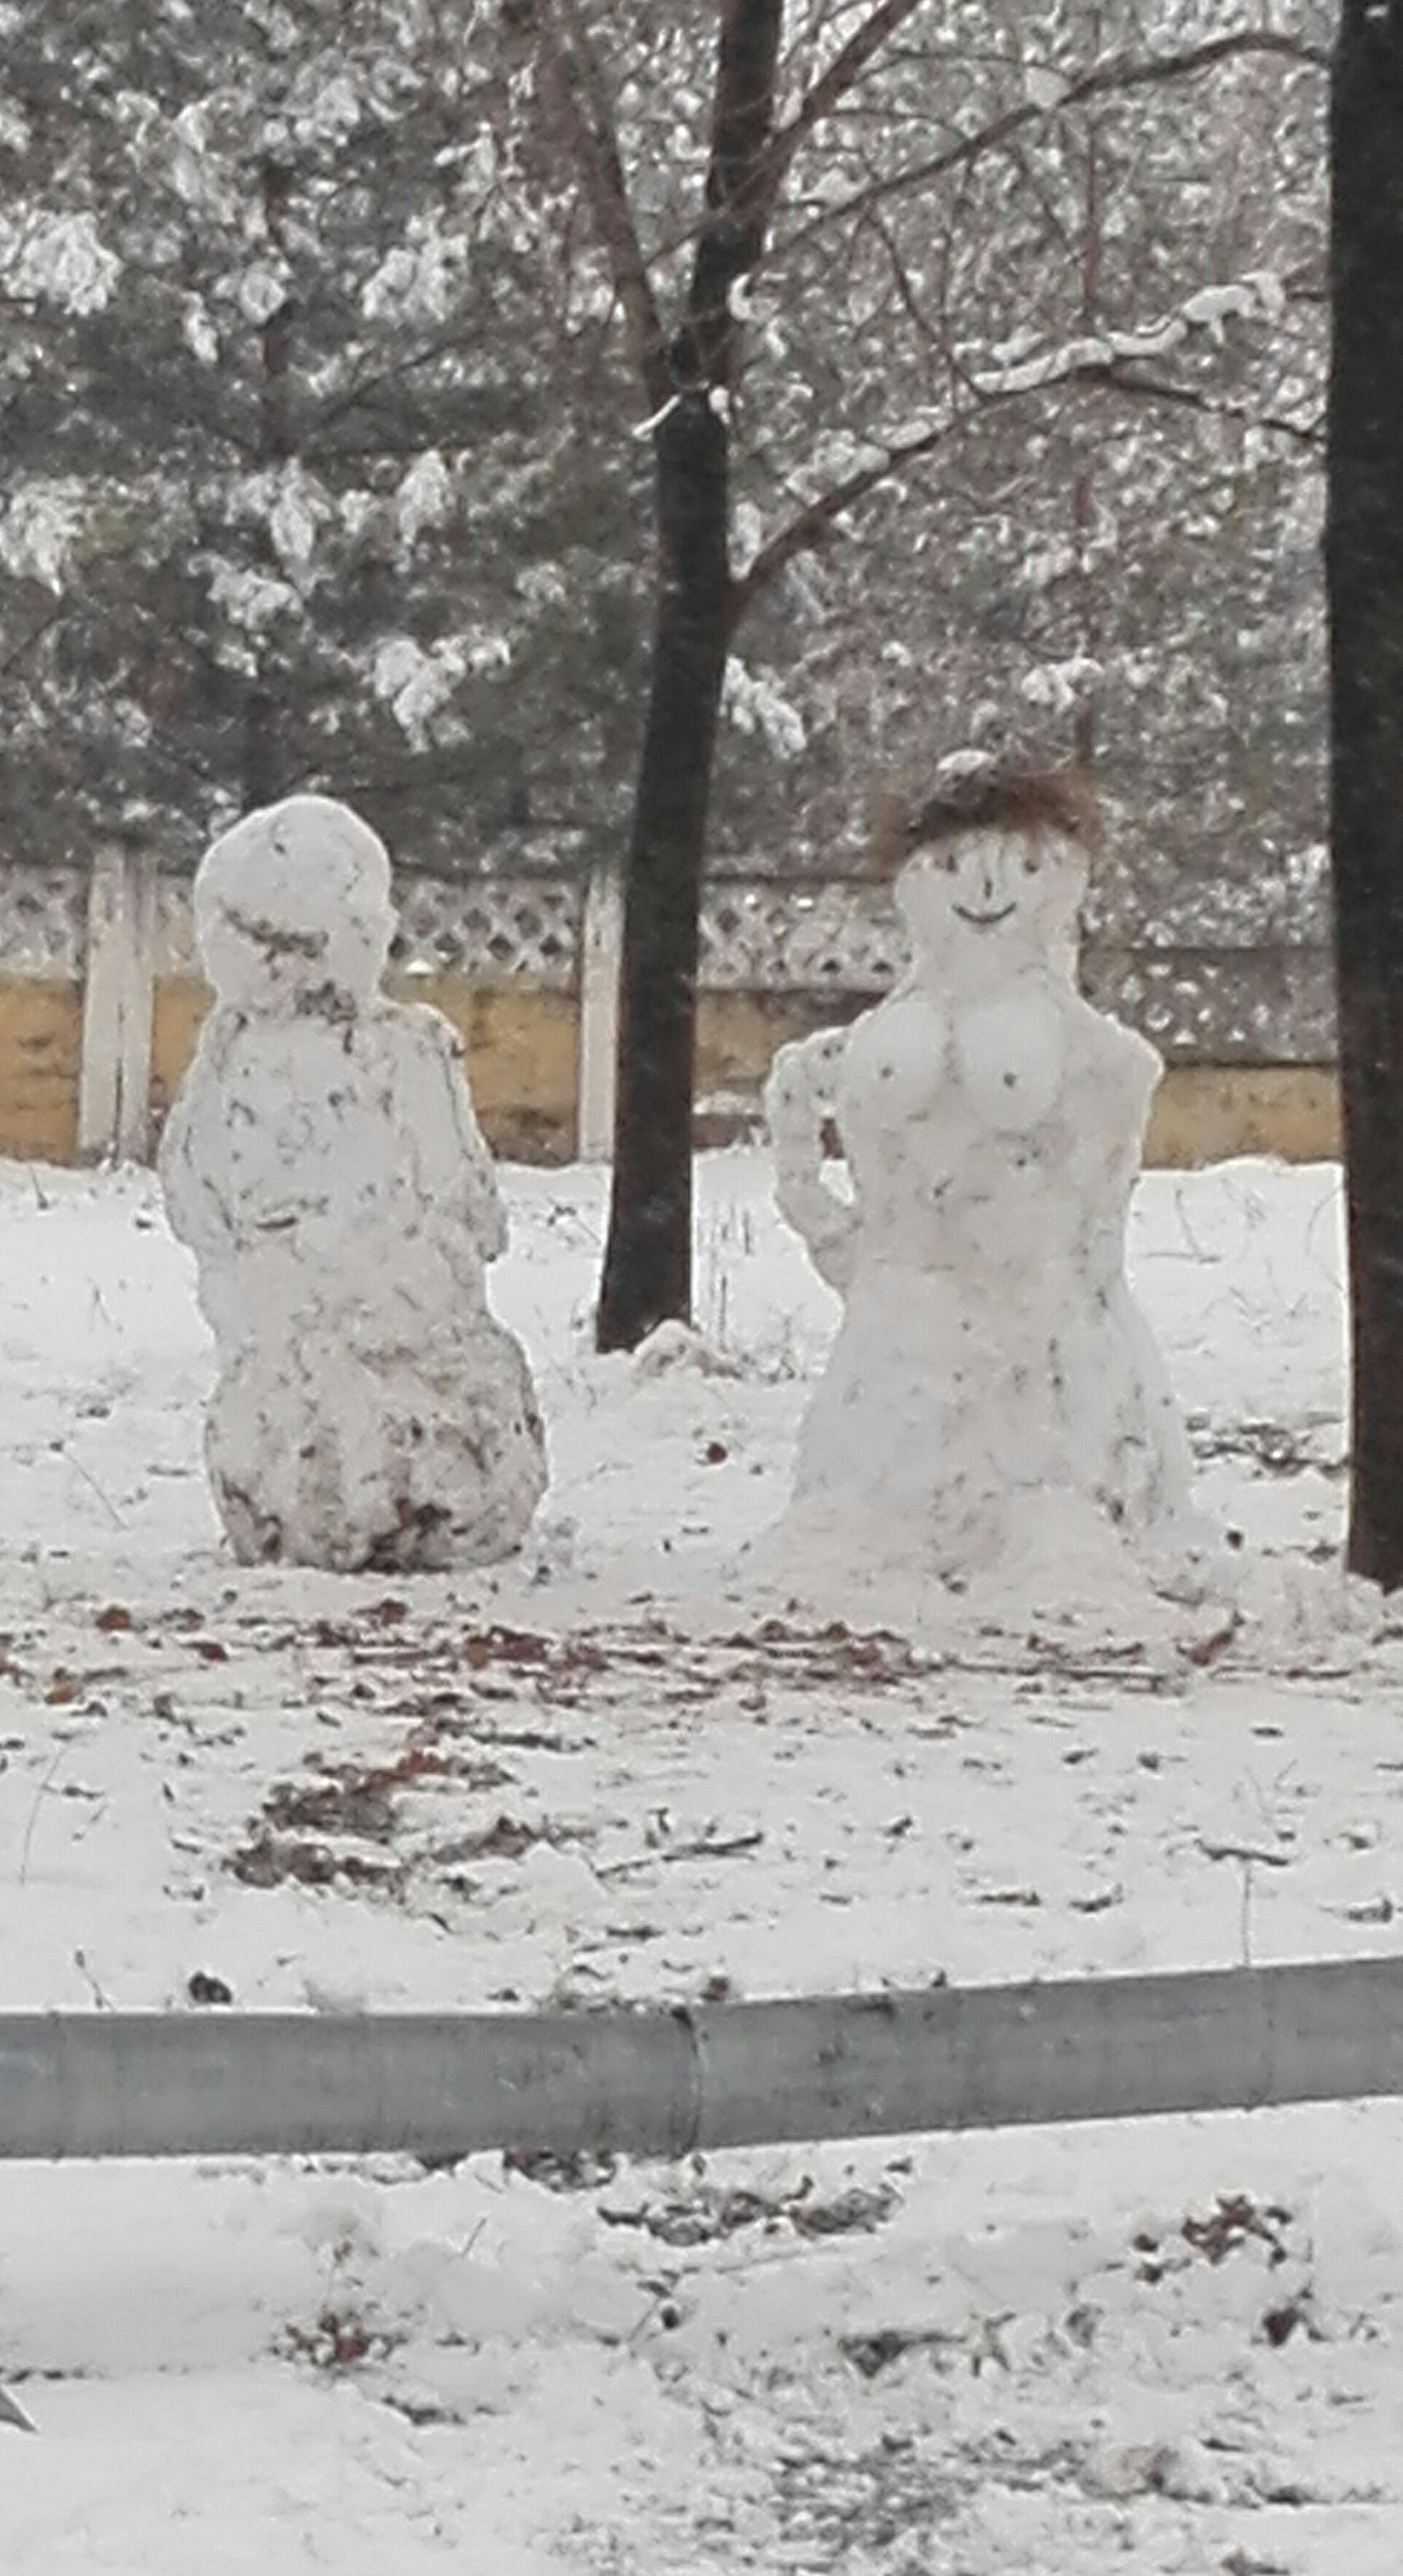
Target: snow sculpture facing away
994, 1400
325, 1167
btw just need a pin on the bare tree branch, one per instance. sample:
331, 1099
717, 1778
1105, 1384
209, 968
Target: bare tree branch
1116, 77
833, 84
811, 526
588, 112
928, 337
35, 636
1117, 378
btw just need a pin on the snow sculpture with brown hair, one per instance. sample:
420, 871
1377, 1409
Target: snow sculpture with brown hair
324, 1165
994, 1400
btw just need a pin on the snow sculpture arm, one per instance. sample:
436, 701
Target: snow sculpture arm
458, 1168
191, 1161
800, 1099
482, 1197
1118, 1074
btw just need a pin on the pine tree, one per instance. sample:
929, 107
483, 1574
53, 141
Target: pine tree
296, 480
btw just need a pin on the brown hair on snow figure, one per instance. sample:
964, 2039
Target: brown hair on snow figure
1030, 804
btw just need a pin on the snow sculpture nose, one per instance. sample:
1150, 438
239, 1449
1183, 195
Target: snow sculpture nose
991, 891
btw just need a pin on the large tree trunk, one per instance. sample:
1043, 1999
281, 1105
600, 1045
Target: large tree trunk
1365, 567
648, 1265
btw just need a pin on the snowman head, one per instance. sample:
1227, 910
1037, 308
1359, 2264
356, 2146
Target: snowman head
293, 909
992, 872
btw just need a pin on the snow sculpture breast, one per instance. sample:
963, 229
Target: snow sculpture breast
994, 1398
325, 1167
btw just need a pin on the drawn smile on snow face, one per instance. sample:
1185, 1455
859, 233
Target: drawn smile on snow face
984, 920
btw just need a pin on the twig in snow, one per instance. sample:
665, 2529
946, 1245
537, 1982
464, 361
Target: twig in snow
1245, 1851
103, 2001
118, 1522
63, 1746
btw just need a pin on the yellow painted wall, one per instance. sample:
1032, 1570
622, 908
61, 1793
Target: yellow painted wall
40, 1029
180, 1007
1204, 1113
521, 1045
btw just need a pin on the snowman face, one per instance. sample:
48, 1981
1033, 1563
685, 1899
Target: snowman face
294, 903
996, 895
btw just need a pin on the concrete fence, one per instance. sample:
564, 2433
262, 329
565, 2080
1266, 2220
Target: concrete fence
101, 1000
669, 2083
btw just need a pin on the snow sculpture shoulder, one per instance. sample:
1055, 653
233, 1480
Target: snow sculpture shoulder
324, 1165
994, 1398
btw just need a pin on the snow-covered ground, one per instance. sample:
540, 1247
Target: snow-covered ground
619, 1770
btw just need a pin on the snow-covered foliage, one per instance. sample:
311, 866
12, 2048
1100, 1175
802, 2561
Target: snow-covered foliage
38, 529
58, 259
325, 291
754, 703
286, 422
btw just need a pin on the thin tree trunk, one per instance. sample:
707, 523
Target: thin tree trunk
261, 763
648, 1258
1365, 570
1084, 725
648, 1264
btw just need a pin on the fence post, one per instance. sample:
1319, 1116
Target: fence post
601, 951
114, 1078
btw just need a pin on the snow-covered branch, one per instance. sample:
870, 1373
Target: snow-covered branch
1112, 361
1205, 313
1113, 378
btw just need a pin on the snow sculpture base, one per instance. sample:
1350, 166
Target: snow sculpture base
994, 1419
324, 1165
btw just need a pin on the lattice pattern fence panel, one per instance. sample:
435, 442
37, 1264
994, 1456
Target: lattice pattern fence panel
1236, 999
763, 937
1245, 1006
1212, 990
495, 928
